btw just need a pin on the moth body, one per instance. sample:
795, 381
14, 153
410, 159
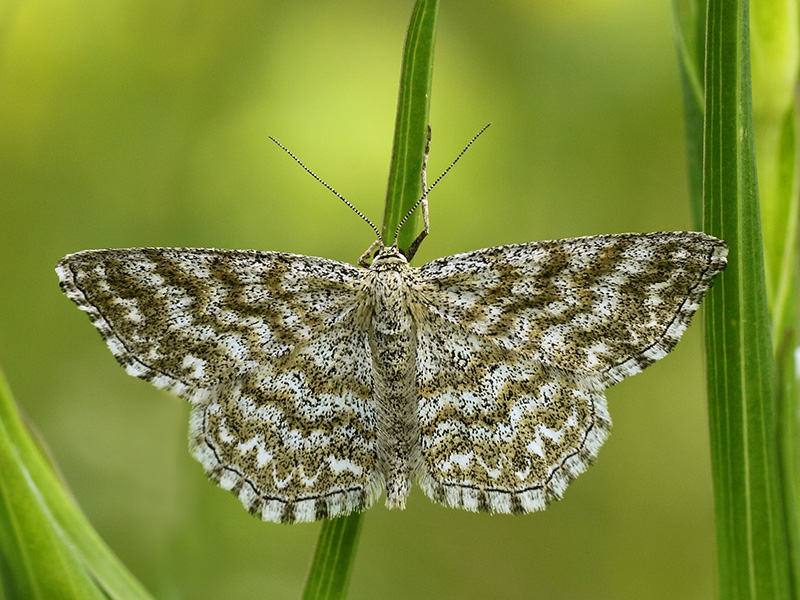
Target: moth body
393, 345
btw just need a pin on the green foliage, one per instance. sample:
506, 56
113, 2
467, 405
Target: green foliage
775, 43
690, 45
47, 548
411, 124
756, 524
333, 558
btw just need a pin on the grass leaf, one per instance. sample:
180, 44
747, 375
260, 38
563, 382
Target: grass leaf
411, 124
775, 55
689, 30
330, 570
753, 546
47, 547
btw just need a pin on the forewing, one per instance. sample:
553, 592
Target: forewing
500, 432
188, 320
270, 349
606, 305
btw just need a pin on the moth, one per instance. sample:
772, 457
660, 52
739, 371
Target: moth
315, 385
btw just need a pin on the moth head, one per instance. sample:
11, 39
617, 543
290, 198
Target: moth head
389, 255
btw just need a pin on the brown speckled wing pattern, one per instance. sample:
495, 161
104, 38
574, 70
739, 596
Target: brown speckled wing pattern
316, 385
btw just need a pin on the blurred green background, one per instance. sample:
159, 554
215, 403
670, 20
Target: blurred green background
145, 123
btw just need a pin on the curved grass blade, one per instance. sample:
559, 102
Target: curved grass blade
47, 547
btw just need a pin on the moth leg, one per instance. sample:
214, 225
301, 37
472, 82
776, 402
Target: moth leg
362, 261
412, 249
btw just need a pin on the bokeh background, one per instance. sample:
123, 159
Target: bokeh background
145, 123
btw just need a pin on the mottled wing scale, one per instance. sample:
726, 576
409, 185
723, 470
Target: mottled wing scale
606, 305
500, 432
518, 344
269, 349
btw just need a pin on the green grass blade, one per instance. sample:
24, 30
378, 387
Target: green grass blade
411, 125
330, 570
47, 548
775, 54
689, 34
753, 549
37, 561
333, 559
776, 57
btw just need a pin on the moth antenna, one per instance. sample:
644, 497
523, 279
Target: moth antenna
438, 179
337, 194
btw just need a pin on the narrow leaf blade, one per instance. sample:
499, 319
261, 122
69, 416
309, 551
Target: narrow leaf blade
751, 525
